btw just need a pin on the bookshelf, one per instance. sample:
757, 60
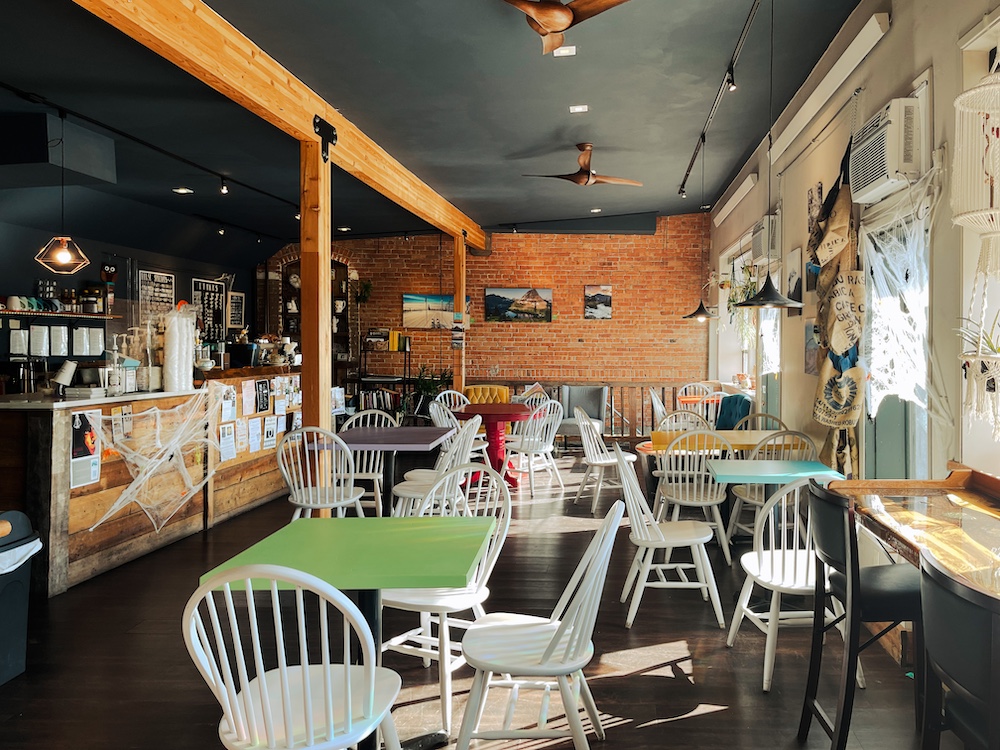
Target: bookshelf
385, 391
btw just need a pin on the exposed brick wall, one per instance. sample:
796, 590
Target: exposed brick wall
655, 280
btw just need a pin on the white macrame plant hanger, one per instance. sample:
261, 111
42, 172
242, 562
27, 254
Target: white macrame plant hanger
975, 202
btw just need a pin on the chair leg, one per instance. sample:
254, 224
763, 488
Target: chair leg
377, 489
930, 735
919, 670
640, 585
444, 670
630, 578
734, 517
583, 484
555, 470
848, 682
740, 613
590, 705
425, 631
720, 534
473, 710
572, 708
809, 705
597, 489
771, 638
531, 474
707, 576
389, 734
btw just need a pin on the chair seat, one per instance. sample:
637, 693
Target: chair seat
514, 644
424, 476
678, 534
630, 457
787, 573
387, 686
318, 497
434, 600
750, 493
411, 488
888, 592
570, 427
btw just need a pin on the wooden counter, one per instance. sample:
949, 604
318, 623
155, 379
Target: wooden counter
36, 463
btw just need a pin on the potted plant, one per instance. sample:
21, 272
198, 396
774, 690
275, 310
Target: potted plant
983, 350
742, 318
426, 386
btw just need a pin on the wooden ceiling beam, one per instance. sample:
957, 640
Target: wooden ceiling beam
194, 37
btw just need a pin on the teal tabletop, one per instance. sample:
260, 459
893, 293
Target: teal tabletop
375, 553
759, 471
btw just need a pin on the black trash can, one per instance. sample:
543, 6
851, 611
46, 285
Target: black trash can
16, 550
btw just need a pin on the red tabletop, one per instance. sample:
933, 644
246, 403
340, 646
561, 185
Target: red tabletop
495, 416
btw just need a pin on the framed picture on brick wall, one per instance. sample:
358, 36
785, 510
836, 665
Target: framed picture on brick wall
597, 302
519, 304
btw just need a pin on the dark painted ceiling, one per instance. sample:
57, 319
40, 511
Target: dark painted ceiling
456, 90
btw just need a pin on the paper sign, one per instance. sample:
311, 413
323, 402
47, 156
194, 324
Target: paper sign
270, 432
228, 404
81, 343
19, 341
249, 401
39, 345
263, 395
227, 441
255, 434
59, 341
280, 407
85, 450
242, 436
95, 341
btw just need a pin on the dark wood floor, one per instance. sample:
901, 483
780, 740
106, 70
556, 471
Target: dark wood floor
107, 667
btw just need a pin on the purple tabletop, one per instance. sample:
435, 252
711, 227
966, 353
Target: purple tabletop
409, 438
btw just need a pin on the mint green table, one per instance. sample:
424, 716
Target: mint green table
370, 554
769, 472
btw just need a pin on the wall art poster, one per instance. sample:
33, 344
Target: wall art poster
597, 302
811, 347
793, 278
518, 304
85, 449
430, 310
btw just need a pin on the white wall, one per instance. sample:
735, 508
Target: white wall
923, 34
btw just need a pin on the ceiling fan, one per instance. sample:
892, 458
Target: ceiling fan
585, 176
549, 18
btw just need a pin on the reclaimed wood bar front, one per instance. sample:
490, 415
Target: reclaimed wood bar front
42, 473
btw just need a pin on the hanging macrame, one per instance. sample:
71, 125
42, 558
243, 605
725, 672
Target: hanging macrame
975, 203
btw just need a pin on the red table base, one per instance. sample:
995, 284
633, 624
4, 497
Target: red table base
496, 449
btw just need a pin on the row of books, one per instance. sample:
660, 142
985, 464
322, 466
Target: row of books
387, 340
385, 400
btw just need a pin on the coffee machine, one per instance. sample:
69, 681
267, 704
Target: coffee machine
20, 375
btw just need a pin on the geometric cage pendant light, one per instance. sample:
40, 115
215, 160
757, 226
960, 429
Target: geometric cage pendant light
61, 254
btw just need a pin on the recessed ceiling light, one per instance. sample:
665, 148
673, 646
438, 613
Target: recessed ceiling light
595, 210
343, 229
182, 190
222, 230
567, 51
577, 108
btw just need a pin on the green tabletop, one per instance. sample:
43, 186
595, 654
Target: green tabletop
763, 471
375, 553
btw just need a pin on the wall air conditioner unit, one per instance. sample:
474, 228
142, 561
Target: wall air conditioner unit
886, 152
764, 241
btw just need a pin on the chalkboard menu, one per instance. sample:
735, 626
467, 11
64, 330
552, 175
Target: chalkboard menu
156, 294
210, 296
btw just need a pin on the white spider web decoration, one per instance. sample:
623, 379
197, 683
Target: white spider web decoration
166, 453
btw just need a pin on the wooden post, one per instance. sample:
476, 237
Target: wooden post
458, 359
317, 348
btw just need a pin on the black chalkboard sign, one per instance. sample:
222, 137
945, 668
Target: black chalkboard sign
210, 296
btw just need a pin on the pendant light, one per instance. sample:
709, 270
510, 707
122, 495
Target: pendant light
61, 254
769, 297
702, 313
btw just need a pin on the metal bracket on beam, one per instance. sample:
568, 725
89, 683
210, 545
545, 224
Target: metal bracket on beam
486, 251
327, 133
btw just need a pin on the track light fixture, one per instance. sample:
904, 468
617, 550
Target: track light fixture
223, 187
222, 231
731, 79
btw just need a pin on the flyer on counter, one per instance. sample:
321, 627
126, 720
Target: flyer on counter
270, 432
85, 450
280, 407
255, 434
242, 436
249, 398
228, 404
227, 441
263, 395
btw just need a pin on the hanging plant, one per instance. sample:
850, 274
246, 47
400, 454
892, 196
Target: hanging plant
363, 291
742, 287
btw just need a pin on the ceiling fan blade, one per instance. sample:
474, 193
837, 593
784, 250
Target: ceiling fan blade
587, 151
579, 178
599, 179
551, 42
584, 9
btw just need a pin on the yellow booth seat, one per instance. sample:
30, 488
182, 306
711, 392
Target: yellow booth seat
488, 394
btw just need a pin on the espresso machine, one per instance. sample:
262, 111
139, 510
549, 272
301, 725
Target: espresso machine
21, 374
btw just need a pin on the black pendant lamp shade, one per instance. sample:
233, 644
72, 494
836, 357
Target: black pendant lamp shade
702, 313
769, 297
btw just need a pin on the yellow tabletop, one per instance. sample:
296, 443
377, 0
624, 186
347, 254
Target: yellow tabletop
741, 440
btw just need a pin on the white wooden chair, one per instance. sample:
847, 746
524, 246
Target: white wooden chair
517, 428
709, 407
452, 399
369, 465
650, 537
535, 652
782, 562
537, 442
760, 420
685, 480
467, 490
292, 665
598, 457
318, 468
659, 410
787, 445
691, 389
682, 419
410, 493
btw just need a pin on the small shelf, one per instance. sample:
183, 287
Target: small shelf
47, 314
